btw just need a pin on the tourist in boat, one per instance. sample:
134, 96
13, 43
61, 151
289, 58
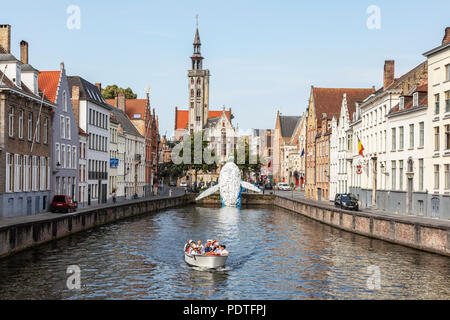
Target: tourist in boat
208, 247
187, 246
200, 246
215, 246
222, 250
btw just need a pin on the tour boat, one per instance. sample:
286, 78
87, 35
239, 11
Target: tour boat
205, 261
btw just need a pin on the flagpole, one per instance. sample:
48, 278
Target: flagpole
39, 116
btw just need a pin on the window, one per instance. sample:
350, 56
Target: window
9, 172
447, 176
192, 92
447, 137
65, 101
447, 101
436, 103
11, 122
21, 124
394, 175
18, 175
74, 157
421, 174
38, 130
42, 173
62, 127
394, 140
69, 158
421, 133
436, 138
436, 177
415, 99
402, 103
45, 130
198, 93
411, 136
400, 174
401, 138
30, 126
68, 128
35, 173
447, 72
57, 154
63, 156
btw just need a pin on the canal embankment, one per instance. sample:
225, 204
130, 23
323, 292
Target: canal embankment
17, 234
432, 235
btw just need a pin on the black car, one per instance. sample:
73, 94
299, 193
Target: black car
268, 186
346, 201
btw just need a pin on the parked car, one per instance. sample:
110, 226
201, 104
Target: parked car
172, 184
62, 203
283, 186
268, 186
346, 201
183, 184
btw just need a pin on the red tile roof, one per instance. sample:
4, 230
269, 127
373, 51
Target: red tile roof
82, 132
329, 101
48, 81
133, 106
182, 117
423, 99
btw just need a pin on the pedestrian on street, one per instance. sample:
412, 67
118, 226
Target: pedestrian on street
114, 196
170, 192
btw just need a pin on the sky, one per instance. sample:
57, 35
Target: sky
263, 56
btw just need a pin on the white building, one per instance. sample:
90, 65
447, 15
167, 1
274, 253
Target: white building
370, 127
92, 113
114, 157
82, 165
437, 161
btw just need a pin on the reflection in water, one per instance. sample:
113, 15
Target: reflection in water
274, 254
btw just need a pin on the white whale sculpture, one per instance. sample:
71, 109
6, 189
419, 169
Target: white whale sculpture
229, 185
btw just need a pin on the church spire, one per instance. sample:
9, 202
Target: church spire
197, 56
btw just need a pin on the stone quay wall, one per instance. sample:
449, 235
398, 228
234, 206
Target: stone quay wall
43, 228
432, 236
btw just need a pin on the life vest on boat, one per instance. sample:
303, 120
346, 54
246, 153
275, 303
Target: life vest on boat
212, 254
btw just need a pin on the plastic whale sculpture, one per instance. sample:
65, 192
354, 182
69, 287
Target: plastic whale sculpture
229, 185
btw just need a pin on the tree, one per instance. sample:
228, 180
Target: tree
247, 167
200, 165
111, 91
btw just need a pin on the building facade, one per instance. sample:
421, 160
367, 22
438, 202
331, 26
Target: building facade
92, 114
25, 136
82, 168
437, 161
64, 134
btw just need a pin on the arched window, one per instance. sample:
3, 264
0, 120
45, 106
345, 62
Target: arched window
192, 92
199, 81
192, 80
198, 93
65, 101
410, 165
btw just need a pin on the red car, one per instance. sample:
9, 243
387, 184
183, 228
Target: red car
63, 203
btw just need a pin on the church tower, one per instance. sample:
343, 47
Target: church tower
198, 90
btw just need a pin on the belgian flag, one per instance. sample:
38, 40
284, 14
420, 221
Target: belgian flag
360, 148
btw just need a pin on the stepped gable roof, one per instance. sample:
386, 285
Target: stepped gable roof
49, 81
182, 117
329, 101
88, 91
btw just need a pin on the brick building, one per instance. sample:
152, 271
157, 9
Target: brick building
25, 140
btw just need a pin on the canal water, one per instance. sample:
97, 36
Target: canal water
274, 254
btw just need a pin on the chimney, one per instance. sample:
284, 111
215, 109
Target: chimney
24, 52
388, 77
76, 102
121, 101
5, 38
446, 36
99, 86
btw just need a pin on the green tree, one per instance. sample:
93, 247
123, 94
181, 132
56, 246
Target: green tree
202, 165
246, 167
111, 91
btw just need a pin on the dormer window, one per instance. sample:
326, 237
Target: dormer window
415, 99
402, 103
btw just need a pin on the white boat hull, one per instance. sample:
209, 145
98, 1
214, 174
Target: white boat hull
205, 261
